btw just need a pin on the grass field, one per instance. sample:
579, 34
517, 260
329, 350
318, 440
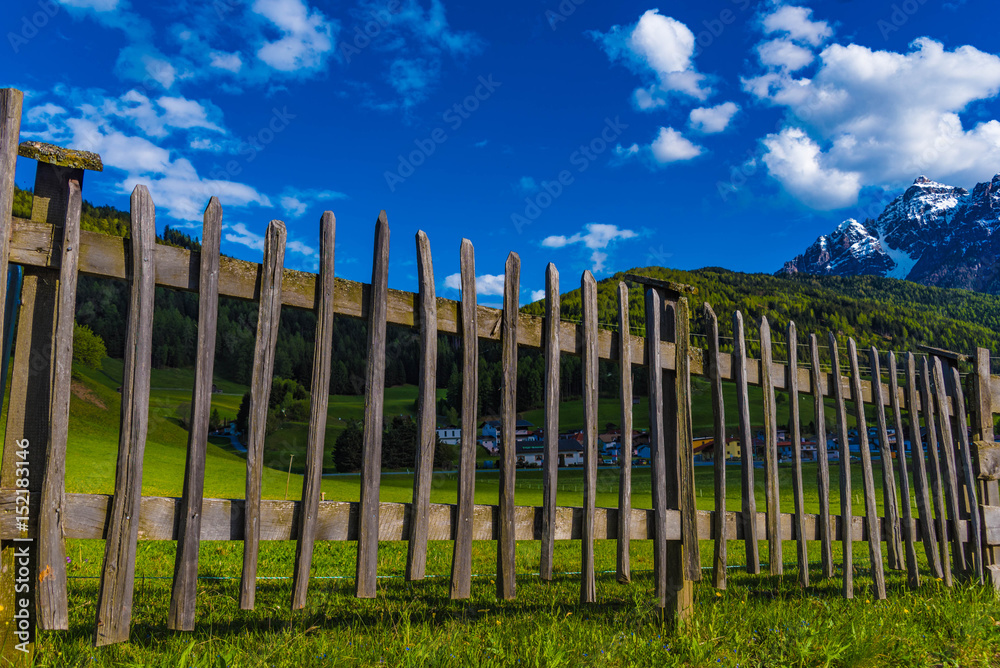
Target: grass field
758, 621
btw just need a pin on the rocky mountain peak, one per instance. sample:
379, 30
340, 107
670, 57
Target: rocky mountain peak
932, 233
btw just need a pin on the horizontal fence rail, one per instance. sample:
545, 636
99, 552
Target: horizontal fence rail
956, 523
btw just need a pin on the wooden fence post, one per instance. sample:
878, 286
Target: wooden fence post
985, 451
371, 458
114, 598
588, 293
312, 479
268, 319
719, 456
461, 561
506, 586
846, 514
749, 499
183, 596
552, 387
423, 474
654, 317
795, 426
772, 495
681, 566
624, 562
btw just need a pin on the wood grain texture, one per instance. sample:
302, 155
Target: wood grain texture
550, 475
623, 568
11, 103
103, 255
823, 465
416, 556
906, 521
588, 295
982, 402
114, 596
506, 588
934, 469
749, 501
968, 472
371, 457
28, 429
772, 493
867, 474
890, 503
719, 555
183, 594
461, 561
845, 467
319, 403
265, 345
87, 518
948, 471
795, 427
685, 447
654, 313
920, 483
51, 593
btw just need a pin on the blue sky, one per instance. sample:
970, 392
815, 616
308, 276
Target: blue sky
595, 135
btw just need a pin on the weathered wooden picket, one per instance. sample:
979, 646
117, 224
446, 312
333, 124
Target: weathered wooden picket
955, 488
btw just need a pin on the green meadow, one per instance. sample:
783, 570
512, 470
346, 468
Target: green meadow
759, 620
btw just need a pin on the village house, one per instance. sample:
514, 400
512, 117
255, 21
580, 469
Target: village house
451, 435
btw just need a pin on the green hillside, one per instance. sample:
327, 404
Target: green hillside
886, 313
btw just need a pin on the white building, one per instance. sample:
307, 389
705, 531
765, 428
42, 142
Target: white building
450, 435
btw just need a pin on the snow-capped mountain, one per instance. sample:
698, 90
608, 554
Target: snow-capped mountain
933, 234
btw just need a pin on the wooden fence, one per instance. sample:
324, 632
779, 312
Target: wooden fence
957, 523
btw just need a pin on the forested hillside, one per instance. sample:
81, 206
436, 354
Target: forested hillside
881, 312
886, 313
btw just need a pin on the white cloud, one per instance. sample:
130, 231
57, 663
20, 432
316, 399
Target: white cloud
95, 5
417, 40
797, 162
798, 24
487, 285
44, 113
307, 35
293, 206
661, 46
526, 185
107, 126
145, 63
671, 146
881, 118
231, 62
300, 248
785, 55
596, 237
668, 147
241, 235
296, 201
537, 295
711, 120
